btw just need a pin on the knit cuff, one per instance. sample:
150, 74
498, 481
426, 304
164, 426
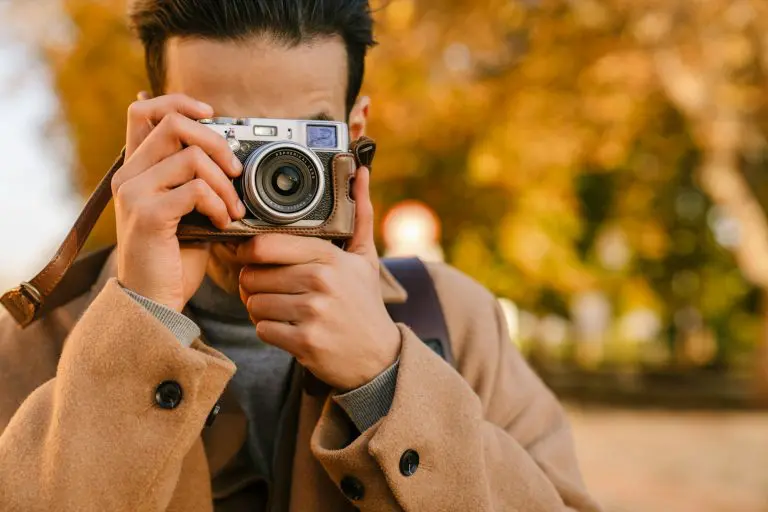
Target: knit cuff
369, 403
185, 330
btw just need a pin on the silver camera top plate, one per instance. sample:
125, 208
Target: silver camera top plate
316, 135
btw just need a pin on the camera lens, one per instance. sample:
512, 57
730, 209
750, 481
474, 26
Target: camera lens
286, 181
283, 182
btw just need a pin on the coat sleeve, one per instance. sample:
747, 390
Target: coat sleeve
93, 437
489, 437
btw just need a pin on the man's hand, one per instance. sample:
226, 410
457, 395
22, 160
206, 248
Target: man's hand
320, 303
173, 165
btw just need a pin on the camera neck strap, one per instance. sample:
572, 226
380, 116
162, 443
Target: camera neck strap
32, 299
53, 286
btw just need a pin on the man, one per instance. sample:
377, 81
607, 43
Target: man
104, 402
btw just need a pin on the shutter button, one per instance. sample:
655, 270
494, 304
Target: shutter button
352, 488
409, 463
168, 395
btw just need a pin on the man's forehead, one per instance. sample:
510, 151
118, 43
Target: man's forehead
261, 77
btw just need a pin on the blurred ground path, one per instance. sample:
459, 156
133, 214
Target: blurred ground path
635, 460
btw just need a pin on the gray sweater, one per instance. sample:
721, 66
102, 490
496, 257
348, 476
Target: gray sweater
261, 381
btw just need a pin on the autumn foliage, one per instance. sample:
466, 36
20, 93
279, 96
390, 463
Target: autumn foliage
570, 149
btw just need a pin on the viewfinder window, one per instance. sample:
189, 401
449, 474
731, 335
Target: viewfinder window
265, 131
321, 136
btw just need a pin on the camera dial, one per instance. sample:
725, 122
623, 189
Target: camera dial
234, 144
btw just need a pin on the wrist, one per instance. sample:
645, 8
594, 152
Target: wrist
386, 355
367, 404
184, 329
164, 299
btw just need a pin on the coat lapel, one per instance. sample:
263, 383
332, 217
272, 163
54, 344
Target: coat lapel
311, 488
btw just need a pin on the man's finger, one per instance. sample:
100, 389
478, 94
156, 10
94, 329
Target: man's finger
362, 241
283, 249
273, 306
275, 279
187, 165
173, 133
144, 115
196, 195
278, 334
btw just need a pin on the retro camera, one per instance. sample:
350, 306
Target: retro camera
287, 177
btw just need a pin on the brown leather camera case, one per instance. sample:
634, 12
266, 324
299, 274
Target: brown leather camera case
339, 225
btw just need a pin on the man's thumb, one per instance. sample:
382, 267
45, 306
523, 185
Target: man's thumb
362, 241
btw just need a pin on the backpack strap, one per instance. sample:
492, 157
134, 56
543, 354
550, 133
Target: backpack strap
422, 311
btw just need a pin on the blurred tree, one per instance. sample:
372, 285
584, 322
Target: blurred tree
97, 69
546, 95
567, 146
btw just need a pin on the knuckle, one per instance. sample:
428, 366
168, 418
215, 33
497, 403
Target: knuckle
123, 194
172, 122
199, 188
314, 307
320, 278
136, 109
115, 185
244, 280
176, 120
256, 249
196, 156
253, 305
305, 342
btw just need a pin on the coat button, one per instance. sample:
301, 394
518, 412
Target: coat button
352, 488
209, 421
168, 395
409, 462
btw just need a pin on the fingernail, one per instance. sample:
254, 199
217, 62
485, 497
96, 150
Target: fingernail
236, 164
204, 106
241, 208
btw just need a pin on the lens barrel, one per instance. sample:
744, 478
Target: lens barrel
282, 182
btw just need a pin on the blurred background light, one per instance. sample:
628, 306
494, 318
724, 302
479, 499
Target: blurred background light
411, 228
457, 58
511, 316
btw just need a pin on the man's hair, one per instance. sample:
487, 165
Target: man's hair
289, 21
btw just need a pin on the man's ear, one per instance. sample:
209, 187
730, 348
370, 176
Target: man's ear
358, 117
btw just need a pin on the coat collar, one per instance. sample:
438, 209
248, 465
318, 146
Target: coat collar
392, 292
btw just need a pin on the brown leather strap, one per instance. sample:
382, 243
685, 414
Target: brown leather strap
364, 149
30, 300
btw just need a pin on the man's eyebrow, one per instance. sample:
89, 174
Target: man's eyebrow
320, 116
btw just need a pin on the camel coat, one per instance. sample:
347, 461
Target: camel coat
83, 428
